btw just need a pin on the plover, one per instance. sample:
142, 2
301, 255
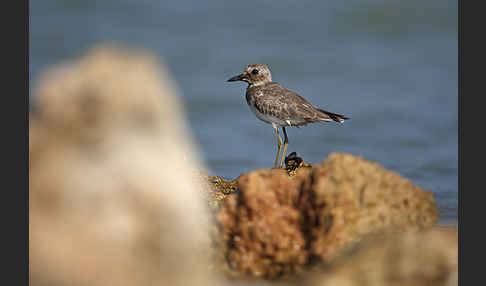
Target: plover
278, 106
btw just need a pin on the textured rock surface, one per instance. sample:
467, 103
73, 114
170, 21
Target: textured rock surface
112, 195
428, 258
260, 225
354, 197
276, 224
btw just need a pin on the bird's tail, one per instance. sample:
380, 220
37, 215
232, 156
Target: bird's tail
329, 116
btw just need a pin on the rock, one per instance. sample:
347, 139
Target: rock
428, 258
353, 197
259, 226
113, 199
277, 224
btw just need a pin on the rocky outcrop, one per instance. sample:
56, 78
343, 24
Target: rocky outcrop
428, 258
113, 199
216, 189
276, 224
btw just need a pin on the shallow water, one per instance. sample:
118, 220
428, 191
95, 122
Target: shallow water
389, 65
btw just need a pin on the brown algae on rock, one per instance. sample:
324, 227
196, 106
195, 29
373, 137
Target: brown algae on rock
216, 189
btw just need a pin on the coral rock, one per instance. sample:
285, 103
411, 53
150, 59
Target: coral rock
352, 197
276, 224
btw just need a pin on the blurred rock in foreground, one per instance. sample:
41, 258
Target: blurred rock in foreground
276, 224
428, 258
112, 195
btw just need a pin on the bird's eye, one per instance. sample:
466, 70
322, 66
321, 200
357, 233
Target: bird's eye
255, 71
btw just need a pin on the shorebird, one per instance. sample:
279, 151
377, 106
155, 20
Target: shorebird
278, 106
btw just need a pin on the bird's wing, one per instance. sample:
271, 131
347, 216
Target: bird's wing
289, 105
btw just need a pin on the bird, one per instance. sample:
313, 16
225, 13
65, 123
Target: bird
276, 105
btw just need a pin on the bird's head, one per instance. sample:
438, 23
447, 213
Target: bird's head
254, 75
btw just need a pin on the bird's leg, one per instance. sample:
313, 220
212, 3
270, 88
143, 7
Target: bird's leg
286, 143
279, 145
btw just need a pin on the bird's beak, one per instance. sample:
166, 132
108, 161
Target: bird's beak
241, 77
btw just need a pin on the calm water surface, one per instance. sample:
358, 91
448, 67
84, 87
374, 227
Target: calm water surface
389, 65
